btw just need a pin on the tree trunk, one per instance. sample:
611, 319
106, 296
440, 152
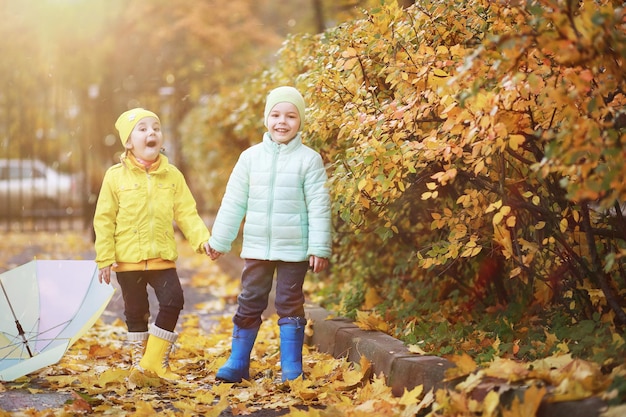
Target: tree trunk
596, 268
318, 10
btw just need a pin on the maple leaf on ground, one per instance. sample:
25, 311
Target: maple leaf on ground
450, 402
415, 409
350, 379
371, 320
412, 396
464, 366
99, 352
506, 368
304, 389
322, 369
114, 375
374, 408
588, 374
376, 389
533, 397
216, 409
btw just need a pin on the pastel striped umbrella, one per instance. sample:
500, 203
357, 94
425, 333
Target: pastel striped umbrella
46, 306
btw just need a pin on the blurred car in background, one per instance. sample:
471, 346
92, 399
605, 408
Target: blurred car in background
30, 188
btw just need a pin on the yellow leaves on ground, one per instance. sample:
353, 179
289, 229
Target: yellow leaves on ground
96, 370
464, 366
486, 390
528, 406
111, 376
371, 320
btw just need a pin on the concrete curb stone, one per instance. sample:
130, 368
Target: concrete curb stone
340, 337
389, 356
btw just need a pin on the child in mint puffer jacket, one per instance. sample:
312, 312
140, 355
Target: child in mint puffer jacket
279, 187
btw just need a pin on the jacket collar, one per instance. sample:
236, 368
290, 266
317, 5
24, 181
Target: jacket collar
129, 161
272, 146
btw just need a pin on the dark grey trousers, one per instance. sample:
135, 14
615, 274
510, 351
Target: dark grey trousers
256, 282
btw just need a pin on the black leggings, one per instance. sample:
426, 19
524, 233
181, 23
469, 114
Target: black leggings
168, 292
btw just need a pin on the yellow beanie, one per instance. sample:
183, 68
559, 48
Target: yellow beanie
282, 95
127, 121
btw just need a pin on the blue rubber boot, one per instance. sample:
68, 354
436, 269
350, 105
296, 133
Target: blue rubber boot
237, 367
291, 341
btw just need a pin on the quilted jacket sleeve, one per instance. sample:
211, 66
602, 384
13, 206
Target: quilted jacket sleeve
318, 207
233, 207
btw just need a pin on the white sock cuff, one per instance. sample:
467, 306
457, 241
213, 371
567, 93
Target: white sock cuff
163, 334
136, 336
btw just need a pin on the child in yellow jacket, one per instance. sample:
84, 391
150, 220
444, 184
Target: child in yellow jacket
139, 200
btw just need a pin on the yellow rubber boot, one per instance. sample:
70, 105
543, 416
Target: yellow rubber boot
157, 355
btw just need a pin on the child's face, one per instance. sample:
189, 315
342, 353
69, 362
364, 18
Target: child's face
146, 139
283, 122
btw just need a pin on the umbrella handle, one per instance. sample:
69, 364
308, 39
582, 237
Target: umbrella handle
23, 334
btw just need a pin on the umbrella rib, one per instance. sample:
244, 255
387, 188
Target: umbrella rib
10, 349
20, 330
41, 335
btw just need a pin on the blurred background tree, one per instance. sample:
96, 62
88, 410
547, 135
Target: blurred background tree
70, 67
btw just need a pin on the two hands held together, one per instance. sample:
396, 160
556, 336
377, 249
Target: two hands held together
316, 264
213, 254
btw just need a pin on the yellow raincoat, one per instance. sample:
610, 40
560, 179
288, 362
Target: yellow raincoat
135, 213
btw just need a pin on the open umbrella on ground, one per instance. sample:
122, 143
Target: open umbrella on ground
45, 306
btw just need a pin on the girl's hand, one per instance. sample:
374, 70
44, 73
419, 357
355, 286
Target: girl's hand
105, 274
318, 264
213, 254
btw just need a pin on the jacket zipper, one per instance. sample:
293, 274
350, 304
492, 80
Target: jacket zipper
271, 200
150, 214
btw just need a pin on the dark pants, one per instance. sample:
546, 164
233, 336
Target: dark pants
168, 292
256, 282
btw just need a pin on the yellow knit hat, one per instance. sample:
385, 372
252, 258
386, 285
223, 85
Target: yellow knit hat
281, 95
127, 121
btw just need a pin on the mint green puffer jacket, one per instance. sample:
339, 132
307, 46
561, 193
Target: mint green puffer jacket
281, 191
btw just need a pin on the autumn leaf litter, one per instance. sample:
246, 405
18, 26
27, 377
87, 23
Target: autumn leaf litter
95, 371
